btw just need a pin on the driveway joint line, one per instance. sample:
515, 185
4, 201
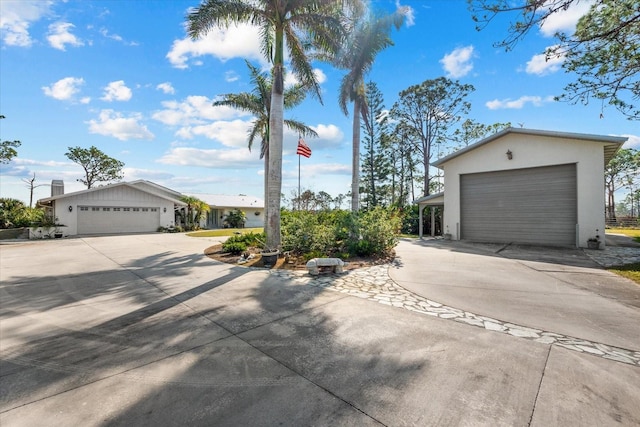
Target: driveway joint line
544, 370
375, 284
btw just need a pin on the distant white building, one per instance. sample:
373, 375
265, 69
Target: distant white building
221, 205
136, 207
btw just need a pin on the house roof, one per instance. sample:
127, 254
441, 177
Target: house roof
612, 143
431, 200
161, 191
226, 201
142, 182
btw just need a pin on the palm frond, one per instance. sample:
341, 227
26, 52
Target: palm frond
220, 14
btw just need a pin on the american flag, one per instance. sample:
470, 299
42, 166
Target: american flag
303, 149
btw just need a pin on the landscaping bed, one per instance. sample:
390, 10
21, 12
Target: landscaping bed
290, 262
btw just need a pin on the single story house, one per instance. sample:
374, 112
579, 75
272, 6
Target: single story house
221, 205
526, 186
132, 207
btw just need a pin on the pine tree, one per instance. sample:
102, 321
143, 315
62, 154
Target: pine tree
375, 160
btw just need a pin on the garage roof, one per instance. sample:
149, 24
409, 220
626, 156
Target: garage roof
612, 143
149, 188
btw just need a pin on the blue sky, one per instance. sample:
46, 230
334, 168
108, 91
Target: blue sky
123, 76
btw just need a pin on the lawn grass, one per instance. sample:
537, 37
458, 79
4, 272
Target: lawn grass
224, 232
631, 232
630, 271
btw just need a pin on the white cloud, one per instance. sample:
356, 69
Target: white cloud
116, 37
112, 123
565, 20
60, 35
64, 89
133, 174
541, 65
16, 17
326, 169
632, 142
241, 41
195, 109
517, 104
408, 12
290, 79
231, 134
458, 63
211, 158
231, 76
166, 87
328, 135
116, 91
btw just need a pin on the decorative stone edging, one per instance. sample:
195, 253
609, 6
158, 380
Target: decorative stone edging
374, 283
614, 255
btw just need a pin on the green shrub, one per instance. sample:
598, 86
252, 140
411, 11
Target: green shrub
376, 230
236, 219
14, 214
236, 248
338, 233
240, 242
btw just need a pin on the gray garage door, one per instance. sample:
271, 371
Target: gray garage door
535, 206
109, 219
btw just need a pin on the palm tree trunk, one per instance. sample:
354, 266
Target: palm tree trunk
355, 161
266, 185
276, 135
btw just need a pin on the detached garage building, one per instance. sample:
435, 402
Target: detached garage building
528, 186
124, 207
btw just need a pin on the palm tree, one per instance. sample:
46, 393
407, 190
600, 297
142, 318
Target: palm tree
200, 208
191, 216
279, 21
258, 103
368, 37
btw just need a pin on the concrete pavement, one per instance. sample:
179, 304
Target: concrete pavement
556, 290
145, 330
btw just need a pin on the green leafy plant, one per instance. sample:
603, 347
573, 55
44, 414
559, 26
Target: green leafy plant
235, 248
236, 219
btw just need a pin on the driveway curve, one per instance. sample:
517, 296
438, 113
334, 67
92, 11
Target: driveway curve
556, 290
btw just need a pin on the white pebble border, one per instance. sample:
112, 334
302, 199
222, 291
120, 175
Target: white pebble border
374, 283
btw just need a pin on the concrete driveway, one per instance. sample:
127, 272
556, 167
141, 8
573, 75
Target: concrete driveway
145, 330
556, 290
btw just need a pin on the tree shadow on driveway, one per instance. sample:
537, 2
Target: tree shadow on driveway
171, 340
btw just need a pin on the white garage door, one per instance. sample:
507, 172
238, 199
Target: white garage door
531, 206
109, 219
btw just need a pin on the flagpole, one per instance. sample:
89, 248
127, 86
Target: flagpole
298, 181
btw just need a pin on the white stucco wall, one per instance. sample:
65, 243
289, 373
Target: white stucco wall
534, 151
119, 196
252, 220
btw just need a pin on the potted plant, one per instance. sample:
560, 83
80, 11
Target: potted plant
594, 242
269, 255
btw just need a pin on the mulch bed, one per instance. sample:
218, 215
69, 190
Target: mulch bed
290, 262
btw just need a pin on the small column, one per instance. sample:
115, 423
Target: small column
433, 221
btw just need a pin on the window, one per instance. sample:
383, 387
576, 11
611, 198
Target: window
116, 209
106, 209
136, 209
126, 209
84, 208
154, 209
95, 209
145, 209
